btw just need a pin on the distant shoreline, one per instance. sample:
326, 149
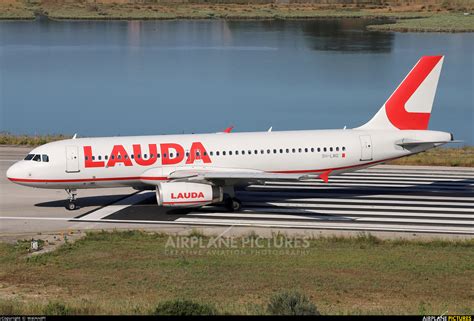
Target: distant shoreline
399, 19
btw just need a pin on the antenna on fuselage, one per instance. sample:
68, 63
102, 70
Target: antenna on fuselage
270, 129
75, 136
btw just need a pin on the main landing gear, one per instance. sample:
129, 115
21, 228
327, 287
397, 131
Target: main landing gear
72, 193
232, 204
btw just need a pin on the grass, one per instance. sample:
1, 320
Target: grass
461, 156
28, 140
431, 15
449, 22
131, 273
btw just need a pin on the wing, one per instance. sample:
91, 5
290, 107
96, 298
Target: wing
237, 176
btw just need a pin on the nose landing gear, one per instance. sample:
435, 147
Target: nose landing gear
72, 193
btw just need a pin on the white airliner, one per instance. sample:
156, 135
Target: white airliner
200, 169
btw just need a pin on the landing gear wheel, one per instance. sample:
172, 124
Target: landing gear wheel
233, 204
71, 206
72, 199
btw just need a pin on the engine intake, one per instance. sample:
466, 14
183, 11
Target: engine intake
182, 194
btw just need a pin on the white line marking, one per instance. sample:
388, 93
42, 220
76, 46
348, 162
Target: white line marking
378, 207
313, 225
28, 218
117, 206
365, 201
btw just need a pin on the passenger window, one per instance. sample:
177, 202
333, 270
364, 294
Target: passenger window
330, 149
29, 157
112, 156
87, 158
106, 157
274, 151
98, 157
126, 157
256, 152
268, 151
198, 153
177, 154
337, 149
312, 150
217, 153
171, 155
230, 153
223, 153
281, 151
343, 148
299, 150
293, 150
45, 158
164, 155
319, 149
243, 152
93, 157
325, 149
236, 152
37, 158
250, 152
132, 156
158, 155
144, 156
211, 153
287, 150
118, 157
139, 156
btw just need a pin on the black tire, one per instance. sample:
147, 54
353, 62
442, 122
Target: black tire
71, 206
236, 205
233, 204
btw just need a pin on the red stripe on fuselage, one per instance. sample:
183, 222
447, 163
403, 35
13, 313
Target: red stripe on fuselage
165, 178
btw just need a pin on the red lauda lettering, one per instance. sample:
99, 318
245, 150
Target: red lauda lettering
137, 150
119, 155
88, 158
187, 195
165, 154
198, 152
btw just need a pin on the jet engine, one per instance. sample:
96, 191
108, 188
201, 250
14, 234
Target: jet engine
182, 194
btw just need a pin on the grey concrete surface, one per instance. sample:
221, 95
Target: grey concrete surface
387, 201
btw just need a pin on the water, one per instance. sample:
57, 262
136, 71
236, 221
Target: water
153, 77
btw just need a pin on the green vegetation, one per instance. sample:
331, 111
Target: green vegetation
448, 22
134, 273
291, 303
462, 156
27, 140
184, 307
434, 15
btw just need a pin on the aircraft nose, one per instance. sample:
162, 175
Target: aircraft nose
14, 171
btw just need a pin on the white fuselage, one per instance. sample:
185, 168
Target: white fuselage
87, 162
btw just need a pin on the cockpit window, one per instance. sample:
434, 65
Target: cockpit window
29, 156
37, 158
45, 158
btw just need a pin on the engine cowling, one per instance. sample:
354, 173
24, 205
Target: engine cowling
182, 194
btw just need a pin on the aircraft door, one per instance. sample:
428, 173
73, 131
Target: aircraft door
72, 159
366, 148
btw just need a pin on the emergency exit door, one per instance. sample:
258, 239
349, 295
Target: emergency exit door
366, 148
72, 159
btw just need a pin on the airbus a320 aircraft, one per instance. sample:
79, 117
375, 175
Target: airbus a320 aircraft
196, 170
